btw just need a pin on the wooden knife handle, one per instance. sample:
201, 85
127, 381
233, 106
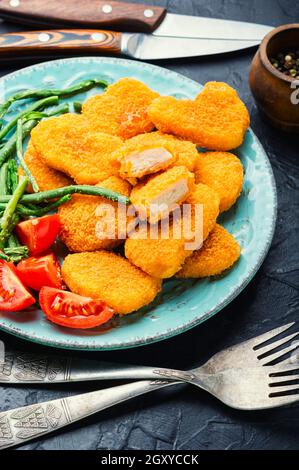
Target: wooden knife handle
59, 42
119, 16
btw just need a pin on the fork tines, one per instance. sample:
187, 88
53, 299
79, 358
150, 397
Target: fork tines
268, 353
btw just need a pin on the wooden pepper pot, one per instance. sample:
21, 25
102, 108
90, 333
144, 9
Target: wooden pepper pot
276, 94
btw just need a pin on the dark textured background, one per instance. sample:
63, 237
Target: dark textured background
184, 417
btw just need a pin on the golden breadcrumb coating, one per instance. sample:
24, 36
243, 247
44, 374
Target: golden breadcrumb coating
83, 217
66, 143
107, 276
217, 119
203, 194
122, 109
149, 153
161, 193
223, 172
163, 256
46, 177
219, 252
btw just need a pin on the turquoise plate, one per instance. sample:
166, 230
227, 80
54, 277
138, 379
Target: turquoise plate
182, 304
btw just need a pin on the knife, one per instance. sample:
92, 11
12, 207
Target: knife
172, 35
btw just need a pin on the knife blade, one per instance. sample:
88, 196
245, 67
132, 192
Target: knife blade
185, 26
122, 16
151, 47
32, 44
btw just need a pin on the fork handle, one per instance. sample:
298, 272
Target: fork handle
38, 368
20, 425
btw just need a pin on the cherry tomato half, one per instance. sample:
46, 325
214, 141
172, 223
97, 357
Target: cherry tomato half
72, 310
37, 272
39, 234
13, 294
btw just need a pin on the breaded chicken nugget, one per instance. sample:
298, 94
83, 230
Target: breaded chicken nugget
149, 153
219, 252
46, 177
122, 109
164, 255
223, 172
66, 143
209, 199
107, 276
217, 119
90, 223
160, 257
161, 193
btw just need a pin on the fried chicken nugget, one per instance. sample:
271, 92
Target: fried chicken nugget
163, 257
66, 143
161, 193
210, 201
46, 177
217, 119
223, 172
122, 109
160, 257
90, 223
107, 276
149, 153
219, 252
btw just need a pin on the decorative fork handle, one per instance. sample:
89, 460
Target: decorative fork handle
23, 424
37, 368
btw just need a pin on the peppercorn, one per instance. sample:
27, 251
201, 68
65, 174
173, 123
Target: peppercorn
287, 63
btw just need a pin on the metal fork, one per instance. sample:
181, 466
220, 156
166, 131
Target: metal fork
237, 376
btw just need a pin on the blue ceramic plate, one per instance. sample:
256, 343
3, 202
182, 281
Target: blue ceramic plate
182, 304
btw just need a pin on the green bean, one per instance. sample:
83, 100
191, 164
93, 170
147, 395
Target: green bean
52, 100
13, 241
72, 90
8, 170
30, 206
10, 146
36, 115
4, 179
5, 257
45, 196
77, 107
7, 220
13, 176
11, 226
17, 253
22, 162
38, 211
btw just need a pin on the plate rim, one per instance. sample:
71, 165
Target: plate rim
151, 339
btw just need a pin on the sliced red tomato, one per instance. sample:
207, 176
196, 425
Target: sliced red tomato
37, 272
72, 310
39, 234
14, 295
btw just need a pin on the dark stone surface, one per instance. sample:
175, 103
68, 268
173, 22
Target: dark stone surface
186, 418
